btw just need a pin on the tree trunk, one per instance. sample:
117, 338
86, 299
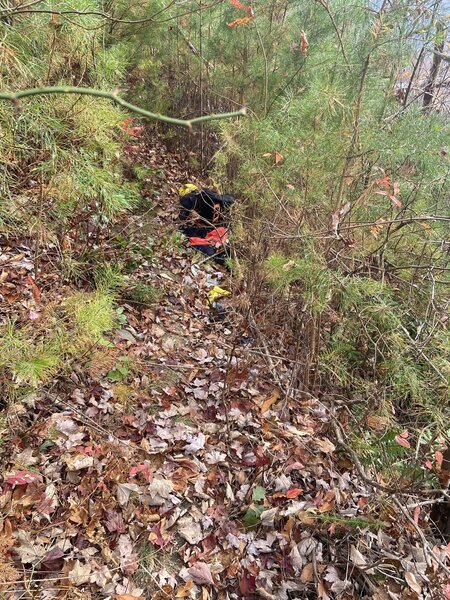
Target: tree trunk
437, 59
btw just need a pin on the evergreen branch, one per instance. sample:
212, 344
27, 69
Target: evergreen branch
16, 96
324, 5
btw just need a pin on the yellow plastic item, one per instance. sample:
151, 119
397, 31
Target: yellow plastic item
217, 292
187, 188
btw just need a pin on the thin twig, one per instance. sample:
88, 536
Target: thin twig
23, 10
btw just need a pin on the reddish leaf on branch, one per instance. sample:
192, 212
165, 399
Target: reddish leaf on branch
304, 44
243, 20
238, 4
395, 201
439, 457
133, 131
389, 188
238, 22
383, 182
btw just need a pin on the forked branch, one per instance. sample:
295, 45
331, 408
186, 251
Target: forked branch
16, 96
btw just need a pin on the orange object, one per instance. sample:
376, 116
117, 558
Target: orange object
218, 237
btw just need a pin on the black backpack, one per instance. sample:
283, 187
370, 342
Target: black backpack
209, 206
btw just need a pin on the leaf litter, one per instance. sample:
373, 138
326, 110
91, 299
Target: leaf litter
206, 482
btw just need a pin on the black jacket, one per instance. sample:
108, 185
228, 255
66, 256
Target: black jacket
208, 205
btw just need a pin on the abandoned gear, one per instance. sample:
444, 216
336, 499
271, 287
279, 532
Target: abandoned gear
186, 188
208, 207
203, 216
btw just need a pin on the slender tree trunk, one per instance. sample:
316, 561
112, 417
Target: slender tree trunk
413, 74
437, 59
357, 110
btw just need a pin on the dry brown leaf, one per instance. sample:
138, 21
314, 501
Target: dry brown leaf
184, 590
201, 573
269, 401
413, 583
306, 517
377, 423
326, 445
80, 573
124, 491
189, 530
28, 550
322, 592
75, 462
307, 574
278, 157
358, 559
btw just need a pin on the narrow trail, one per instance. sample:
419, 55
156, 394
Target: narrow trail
190, 475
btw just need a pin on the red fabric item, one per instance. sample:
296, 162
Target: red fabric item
218, 237
196, 241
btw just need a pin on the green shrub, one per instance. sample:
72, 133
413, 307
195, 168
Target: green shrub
142, 294
35, 353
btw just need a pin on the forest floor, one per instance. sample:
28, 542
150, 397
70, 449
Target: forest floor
169, 464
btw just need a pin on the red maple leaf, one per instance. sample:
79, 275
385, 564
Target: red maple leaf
247, 583
23, 478
143, 468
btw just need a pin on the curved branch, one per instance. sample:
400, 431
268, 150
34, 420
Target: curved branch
16, 96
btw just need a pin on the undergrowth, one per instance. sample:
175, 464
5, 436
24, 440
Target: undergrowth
35, 352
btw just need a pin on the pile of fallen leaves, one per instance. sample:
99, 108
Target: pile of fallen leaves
179, 469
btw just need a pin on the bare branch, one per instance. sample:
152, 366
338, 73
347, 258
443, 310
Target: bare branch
16, 96
23, 10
